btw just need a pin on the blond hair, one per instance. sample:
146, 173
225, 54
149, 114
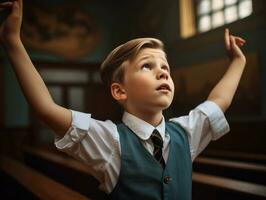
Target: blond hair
113, 68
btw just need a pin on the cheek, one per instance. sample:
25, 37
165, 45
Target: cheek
139, 85
140, 80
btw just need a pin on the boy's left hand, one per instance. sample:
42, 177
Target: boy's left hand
233, 44
10, 27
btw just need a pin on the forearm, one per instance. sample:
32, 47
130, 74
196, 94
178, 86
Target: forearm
28, 77
225, 89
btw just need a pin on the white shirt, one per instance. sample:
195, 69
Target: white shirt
97, 144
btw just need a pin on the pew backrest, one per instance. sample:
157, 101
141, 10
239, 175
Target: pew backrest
41, 186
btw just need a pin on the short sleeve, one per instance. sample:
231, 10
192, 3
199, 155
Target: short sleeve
204, 123
94, 142
77, 131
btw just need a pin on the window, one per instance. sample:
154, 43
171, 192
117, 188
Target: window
214, 13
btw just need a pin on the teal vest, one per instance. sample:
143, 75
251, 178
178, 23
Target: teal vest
142, 177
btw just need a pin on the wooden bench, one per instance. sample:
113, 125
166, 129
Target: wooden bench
235, 189
245, 171
233, 155
41, 186
232, 164
58, 158
65, 170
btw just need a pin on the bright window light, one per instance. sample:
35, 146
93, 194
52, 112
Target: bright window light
214, 13
205, 23
245, 8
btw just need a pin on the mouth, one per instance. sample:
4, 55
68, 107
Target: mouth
164, 87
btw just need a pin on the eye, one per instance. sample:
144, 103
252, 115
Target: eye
166, 68
146, 67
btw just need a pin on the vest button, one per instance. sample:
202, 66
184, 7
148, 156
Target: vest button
167, 179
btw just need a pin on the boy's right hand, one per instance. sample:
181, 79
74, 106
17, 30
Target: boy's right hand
10, 27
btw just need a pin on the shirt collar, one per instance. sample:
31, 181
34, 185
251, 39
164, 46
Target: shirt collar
141, 128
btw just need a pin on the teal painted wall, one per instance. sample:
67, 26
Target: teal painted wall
16, 107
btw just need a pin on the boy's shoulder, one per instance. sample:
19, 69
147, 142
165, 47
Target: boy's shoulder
174, 127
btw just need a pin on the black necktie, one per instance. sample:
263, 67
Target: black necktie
158, 147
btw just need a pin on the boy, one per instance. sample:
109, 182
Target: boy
143, 157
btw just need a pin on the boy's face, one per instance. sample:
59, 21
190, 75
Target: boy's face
147, 81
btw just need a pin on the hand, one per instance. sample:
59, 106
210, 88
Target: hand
10, 27
233, 44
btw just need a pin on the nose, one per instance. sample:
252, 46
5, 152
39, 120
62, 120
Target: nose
162, 74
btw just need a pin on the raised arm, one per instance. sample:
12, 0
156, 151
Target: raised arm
32, 85
223, 93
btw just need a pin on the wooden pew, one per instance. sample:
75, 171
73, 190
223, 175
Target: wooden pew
245, 171
41, 186
202, 183
58, 158
65, 170
233, 155
206, 186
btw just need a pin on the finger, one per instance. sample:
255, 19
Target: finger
232, 40
20, 3
238, 42
6, 4
16, 8
227, 38
233, 43
240, 39
236, 49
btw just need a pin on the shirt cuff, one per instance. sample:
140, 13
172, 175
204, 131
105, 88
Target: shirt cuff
218, 122
79, 126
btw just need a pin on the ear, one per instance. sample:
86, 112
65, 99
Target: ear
118, 92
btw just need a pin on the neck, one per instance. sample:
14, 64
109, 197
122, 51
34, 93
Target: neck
153, 118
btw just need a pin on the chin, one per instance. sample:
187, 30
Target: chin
164, 104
